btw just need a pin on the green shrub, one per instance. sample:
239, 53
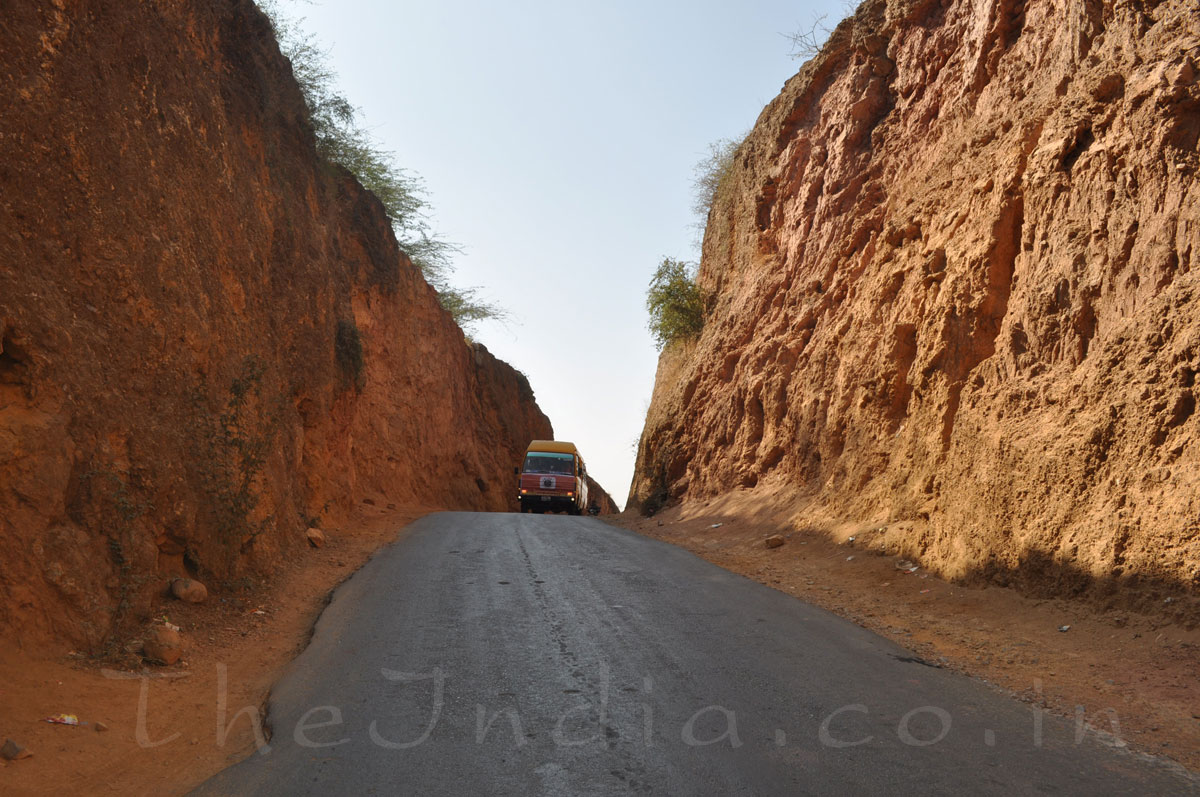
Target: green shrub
342, 140
674, 302
711, 177
467, 308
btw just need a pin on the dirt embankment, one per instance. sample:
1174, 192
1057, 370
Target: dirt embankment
952, 298
208, 338
169, 729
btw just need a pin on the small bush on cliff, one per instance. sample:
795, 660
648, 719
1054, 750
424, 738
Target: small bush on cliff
807, 42
712, 177
467, 307
674, 302
342, 140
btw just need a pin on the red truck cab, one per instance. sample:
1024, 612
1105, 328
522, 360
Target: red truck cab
552, 478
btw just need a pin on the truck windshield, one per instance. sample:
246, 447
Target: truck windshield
549, 462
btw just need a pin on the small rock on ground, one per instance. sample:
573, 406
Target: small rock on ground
774, 541
13, 751
189, 590
163, 645
316, 537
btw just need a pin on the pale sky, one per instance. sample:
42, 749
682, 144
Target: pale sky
557, 141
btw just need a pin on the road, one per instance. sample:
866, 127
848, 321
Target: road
537, 654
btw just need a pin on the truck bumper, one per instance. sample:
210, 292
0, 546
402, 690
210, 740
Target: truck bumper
548, 503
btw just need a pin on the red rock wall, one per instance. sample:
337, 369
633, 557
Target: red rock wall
599, 496
182, 285
953, 295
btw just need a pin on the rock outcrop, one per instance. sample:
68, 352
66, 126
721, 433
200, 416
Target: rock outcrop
599, 496
951, 285
208, 336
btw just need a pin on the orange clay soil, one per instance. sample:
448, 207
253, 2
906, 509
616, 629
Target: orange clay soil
1141, 671
180, 745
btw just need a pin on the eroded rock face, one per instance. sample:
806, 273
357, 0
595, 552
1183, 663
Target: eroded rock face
208, 336
599, 496
952, 290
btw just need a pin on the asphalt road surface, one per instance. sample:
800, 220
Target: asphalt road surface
536, 654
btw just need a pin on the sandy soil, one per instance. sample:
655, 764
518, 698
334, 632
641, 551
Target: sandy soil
171, 742
1135, 676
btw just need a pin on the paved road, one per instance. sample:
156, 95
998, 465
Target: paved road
530, 654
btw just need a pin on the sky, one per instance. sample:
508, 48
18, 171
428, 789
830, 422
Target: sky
557, 142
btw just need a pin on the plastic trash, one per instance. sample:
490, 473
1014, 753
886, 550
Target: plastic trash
64, 719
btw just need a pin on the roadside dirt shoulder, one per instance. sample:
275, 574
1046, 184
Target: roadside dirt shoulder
1134, 676
173, 728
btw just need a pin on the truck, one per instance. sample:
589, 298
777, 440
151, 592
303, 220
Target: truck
552, 478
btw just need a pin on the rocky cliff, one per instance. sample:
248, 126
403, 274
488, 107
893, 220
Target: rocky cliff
599, 496
952, 297
208, 336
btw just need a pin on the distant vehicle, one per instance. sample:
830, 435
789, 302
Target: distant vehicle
552, 479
